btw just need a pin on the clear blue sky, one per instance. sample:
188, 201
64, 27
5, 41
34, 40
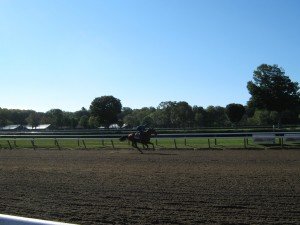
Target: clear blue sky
64, 53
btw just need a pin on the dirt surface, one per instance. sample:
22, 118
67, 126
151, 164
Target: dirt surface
158, 187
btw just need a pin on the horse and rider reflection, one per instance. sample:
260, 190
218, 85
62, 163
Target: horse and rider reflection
143, 136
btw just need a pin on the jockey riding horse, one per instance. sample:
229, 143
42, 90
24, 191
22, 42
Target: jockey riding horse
143, 138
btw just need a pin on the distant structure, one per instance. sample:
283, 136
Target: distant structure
114, 126
18, 127
12, 127
39, 127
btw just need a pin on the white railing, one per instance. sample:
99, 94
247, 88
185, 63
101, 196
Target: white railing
16, 220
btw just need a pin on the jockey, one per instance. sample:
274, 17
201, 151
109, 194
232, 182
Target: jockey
140, 131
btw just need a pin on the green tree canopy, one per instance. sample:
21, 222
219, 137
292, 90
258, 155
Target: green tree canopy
181, 114
106, 109
34, 119
84, 121
235, 112
163, 114
199, 116
54, 117
271, 89
216, 116
82, 112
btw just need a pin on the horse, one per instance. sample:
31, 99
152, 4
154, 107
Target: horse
144, 138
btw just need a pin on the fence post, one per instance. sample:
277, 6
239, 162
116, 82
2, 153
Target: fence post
156, 142
9, 145
83, 142
215, 141
208, 143
56, 143
175, 144
78, 143
112, 143
245, 144
185, 142
32, 142
281, 142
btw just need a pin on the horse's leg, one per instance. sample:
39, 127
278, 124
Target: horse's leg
148, 142
134, 144
152, 145
139, 150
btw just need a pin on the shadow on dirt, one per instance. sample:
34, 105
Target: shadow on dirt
158, 153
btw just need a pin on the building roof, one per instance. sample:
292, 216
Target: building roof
11, 127
114, 126
39, 127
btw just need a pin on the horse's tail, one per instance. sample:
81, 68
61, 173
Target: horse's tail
123, 138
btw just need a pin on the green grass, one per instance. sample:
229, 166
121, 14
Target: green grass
163, 143
201, 143
51, 143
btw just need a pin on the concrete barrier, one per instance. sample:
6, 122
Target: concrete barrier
16, 220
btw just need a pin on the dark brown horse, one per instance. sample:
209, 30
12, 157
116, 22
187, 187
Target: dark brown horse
144, 138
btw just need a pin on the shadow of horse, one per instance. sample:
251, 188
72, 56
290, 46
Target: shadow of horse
144, 139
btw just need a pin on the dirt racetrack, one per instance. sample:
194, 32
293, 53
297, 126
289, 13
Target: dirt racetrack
158, 187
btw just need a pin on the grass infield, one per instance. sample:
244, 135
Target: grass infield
160, 143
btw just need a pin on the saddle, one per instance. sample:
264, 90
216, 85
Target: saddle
138, 136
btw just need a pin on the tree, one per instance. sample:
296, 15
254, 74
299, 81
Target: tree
262, 117
54, 117
159, 118
216, 116
84, 121
272, 90
80, 113
17, 116
181, 114
124, 112
93, 123
164, 112
3, 117
34, 119
235, 112
289, 117
106, 109
131, 120
199, 116
148, 121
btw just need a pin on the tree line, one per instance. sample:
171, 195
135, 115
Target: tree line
275, 100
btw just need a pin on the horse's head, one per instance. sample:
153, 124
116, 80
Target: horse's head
151, 131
